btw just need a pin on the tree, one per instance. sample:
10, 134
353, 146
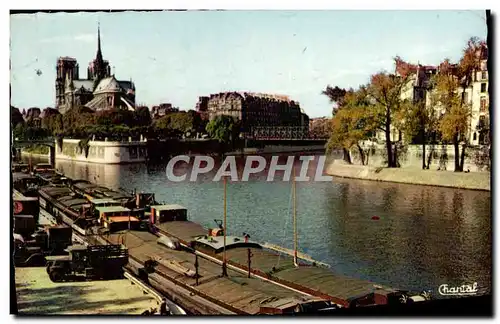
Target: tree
455, 114
223, 128
52, 121
115, 117
451, 84
320, 128
142, 116
77, 120
418, 122
384, 92
336, 96
352, 124
199, 124
15, 117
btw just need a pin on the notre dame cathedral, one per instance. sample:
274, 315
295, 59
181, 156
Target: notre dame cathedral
99, 91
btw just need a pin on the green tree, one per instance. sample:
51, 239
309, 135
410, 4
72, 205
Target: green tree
336, 96
223, 128
52, 121
116, 117
142, 116
77, 120
352, 124
163, 127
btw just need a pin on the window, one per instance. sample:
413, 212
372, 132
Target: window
482, 122
483, 75
484, 104
483, 87
475, 136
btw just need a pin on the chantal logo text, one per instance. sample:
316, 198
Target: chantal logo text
463, 290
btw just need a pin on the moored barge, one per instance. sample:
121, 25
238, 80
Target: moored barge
199, 278
265, 264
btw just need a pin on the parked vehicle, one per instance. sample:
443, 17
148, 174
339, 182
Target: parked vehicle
32, 250
88, 262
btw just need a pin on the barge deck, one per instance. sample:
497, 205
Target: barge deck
274, 275
236, 292
310, 279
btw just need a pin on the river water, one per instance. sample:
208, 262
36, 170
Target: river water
422, 238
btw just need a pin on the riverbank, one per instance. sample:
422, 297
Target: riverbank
458, 180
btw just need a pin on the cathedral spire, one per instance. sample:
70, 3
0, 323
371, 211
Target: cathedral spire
99, 53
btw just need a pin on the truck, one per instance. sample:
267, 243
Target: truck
92, 262
32, 250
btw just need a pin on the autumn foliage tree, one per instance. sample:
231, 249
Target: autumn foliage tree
451, 84
384, 92
352, 124
336, 96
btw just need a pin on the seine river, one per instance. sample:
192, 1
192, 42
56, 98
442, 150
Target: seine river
422, 237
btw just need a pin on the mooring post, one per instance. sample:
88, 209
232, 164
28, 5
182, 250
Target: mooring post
196, 267
249, 262
52, 156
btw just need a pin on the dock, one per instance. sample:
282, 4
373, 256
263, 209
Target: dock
38, 295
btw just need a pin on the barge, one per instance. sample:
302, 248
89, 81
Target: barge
197, 281
255, 275
266, 262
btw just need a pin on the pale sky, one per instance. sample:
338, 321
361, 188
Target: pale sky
177, 56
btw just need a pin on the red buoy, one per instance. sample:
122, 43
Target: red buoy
375, 217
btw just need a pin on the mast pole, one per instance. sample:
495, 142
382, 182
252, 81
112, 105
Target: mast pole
224, 266
295, 241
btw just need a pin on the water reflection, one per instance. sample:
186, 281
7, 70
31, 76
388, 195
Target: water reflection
425, 236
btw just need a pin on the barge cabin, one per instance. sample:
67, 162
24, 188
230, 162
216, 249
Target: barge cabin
72, 209
25, 184
21, 167
117, 218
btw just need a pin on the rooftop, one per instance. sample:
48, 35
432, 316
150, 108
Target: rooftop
168, 207
110, 209
103, 201
218, 242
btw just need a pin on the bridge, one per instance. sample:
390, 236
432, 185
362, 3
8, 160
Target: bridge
50, 142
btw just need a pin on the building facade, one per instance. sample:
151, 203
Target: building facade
419, 89
163, 109
99, 90
256, 111
479, 99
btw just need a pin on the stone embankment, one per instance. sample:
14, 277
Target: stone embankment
459, 180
